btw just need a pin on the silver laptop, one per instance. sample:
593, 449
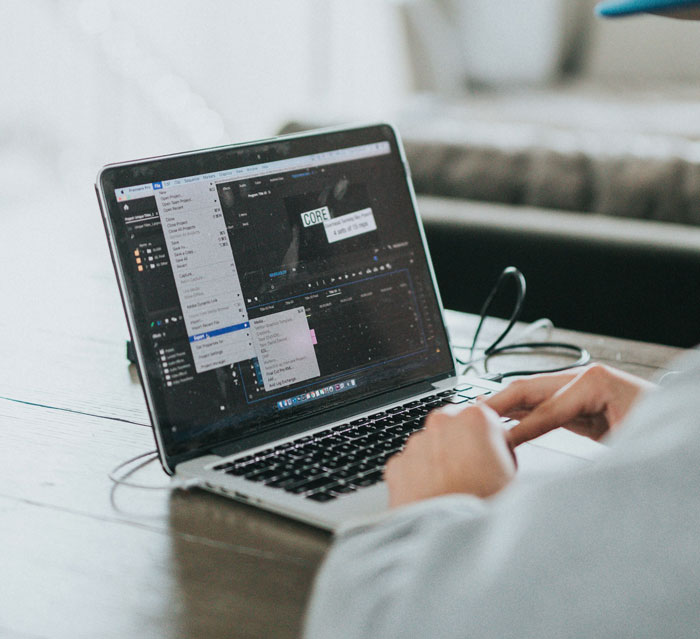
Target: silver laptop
284, 312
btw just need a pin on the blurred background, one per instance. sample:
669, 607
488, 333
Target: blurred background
85, 82
525, 103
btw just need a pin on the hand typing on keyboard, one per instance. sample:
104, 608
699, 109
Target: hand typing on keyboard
589, 401
466, 452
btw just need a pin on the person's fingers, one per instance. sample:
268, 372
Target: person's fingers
524, 394
576, 399
518, 413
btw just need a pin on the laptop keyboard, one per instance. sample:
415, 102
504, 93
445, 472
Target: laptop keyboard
345, 458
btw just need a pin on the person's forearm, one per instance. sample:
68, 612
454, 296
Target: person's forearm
369, 579
595, 552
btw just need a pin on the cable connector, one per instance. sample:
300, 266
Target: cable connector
151, 456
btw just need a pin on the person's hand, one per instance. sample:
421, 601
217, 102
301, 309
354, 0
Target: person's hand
459, 451
589, 401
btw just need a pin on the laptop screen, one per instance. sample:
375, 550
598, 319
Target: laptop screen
286, 279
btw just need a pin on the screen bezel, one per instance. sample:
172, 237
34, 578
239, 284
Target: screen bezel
210, 160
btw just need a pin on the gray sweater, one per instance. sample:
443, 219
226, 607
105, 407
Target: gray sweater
610, 550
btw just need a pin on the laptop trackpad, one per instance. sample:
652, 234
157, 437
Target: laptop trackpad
556, 451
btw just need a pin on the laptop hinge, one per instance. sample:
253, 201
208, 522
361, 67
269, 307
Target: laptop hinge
328, 417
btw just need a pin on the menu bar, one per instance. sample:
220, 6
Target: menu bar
258, 170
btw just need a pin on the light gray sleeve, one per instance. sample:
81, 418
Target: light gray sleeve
612, 550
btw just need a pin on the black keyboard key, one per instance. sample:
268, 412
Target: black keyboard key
277, 482
403, 436
333, 441
367, 466
333, 462
362, 420
368, 480
343, 489
281, 479
383, 436
311, 446
293, 453
308, 460
322, 496
340, 449
371, 451
256, 465
373, 434
237, 471
324, 481
225, 466
351, 469
262, 475
343, 474
312, 467
290, 477
383, 459
344, 438
394, 429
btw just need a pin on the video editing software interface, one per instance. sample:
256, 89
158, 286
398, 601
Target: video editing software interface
281, 288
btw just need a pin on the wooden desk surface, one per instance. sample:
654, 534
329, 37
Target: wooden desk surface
81, 558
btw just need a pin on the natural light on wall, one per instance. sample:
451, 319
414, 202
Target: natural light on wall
88, 82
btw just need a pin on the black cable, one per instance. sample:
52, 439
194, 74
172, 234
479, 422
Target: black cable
494, 349
583, 359
509, 271
150, 456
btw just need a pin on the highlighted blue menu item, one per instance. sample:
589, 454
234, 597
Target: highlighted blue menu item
220, 331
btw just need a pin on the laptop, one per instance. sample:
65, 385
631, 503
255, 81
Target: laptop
285, 317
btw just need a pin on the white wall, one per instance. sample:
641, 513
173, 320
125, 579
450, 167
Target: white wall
85, 82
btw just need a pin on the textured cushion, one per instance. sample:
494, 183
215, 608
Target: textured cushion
627, 186
589, 148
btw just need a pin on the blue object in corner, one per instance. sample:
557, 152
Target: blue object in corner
619, 8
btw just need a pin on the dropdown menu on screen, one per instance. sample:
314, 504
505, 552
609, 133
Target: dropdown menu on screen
206, 277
